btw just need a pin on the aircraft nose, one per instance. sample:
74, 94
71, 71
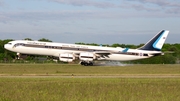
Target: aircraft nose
7, 46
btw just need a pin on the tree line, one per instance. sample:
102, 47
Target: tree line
172, 52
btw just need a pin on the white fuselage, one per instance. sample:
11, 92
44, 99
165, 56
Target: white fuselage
55, 49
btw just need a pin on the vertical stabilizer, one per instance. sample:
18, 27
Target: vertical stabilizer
157, 42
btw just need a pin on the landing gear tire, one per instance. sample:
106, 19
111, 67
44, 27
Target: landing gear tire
90, 64
86, 63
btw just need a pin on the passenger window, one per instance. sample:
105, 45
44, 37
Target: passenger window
145, 55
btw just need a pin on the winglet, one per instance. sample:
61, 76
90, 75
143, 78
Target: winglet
157, 42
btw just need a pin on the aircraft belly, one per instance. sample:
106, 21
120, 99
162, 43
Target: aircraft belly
123, 57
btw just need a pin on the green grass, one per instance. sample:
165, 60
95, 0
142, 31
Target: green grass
59, 69
91, 89
16, 87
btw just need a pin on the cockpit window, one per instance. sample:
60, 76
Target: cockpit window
10, 43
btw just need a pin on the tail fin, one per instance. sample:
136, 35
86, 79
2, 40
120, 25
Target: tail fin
157, 42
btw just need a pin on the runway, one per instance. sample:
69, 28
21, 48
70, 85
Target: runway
91, 76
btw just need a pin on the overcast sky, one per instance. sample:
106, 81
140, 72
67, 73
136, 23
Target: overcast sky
90, 21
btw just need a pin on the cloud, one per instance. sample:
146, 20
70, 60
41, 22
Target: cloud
162, 3
167, 6
59, 15
173, 11
86, 3
139, 7
44, 15
73, 15
124, 10
1, 3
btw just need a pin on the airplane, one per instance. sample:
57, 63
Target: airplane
88, 54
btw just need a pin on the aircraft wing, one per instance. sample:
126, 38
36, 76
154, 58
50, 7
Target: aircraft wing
102, 53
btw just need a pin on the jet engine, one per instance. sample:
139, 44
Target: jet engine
87, 56
66, 57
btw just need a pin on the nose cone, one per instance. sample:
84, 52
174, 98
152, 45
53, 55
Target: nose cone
7, 46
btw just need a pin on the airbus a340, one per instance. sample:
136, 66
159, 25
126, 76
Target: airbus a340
88, 54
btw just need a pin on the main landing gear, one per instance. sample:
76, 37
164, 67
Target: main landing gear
86, 63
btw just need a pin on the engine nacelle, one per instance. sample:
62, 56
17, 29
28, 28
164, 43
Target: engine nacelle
87, 56
66, 57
